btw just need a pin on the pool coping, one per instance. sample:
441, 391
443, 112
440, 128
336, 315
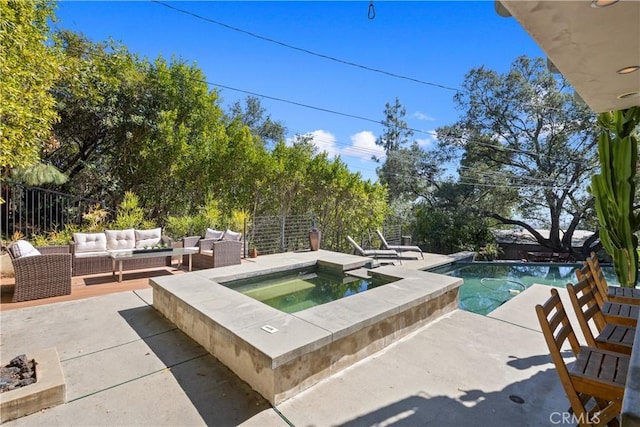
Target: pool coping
246, 345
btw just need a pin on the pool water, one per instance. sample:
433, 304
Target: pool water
487, 285
297, 290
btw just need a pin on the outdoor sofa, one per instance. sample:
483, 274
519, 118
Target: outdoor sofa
91, 252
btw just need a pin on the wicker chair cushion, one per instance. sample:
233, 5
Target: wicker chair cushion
22, 249
148, 237
232, 235
89, 242
120, 239
213, 234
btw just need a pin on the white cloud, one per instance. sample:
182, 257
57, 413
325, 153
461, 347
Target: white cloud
363, 146
429, 140
324, 141
422, 116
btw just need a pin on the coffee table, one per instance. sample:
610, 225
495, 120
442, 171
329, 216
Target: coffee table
119, 257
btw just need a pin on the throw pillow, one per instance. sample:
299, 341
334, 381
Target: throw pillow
232, 235
213, 234
148, 237
23, 249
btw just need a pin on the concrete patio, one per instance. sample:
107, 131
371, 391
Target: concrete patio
125, 364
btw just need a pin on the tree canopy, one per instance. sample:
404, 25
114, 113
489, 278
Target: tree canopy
156, 129
523, 138
29, 68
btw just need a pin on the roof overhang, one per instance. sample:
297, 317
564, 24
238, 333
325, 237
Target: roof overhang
588, 45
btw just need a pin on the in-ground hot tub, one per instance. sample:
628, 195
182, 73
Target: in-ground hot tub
280, 354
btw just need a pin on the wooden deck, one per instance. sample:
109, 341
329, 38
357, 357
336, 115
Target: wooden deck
88, 286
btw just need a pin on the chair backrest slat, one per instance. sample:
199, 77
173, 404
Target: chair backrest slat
598, 275
553, 315
555, 343
585, 273
582, 296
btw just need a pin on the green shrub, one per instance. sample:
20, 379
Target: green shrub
130, 215
180, 226
208, 217
55, 237
95, 219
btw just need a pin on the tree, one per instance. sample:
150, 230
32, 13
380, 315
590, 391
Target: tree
254, 115
525, 131
29, 68
396, 133
98, 111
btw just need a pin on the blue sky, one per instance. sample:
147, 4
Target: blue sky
435, 42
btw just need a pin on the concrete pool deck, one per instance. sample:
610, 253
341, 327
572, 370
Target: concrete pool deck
125, 364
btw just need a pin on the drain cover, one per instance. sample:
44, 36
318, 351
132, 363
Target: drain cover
516, 399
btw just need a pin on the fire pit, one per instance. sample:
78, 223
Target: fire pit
20, 372
28, 395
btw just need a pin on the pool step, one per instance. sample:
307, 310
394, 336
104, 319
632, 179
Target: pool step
360, 273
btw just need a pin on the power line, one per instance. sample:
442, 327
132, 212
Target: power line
307, 51
299, 104
330, 111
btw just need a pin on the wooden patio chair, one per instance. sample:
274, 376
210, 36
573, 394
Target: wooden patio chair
614, 312
611, 336
613, 293
598, 374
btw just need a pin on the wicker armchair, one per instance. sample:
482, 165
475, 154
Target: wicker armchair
189, 242
42, 276
217, 253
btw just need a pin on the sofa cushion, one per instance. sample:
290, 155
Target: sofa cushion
89, 242
23, 249
120, 239
213, 234
232, 235
148, 237
91, 254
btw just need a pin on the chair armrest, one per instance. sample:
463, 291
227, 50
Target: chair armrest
57, 249
207, 244
190, 241
227, 247
41, 264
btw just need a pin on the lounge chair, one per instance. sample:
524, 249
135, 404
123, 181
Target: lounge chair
375, 253
398, 248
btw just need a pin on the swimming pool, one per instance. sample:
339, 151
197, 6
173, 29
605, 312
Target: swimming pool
297, 290
487, 285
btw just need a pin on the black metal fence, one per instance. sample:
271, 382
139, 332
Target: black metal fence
32, 210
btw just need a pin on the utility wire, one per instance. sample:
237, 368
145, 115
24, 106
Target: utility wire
330, 111
307, 51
